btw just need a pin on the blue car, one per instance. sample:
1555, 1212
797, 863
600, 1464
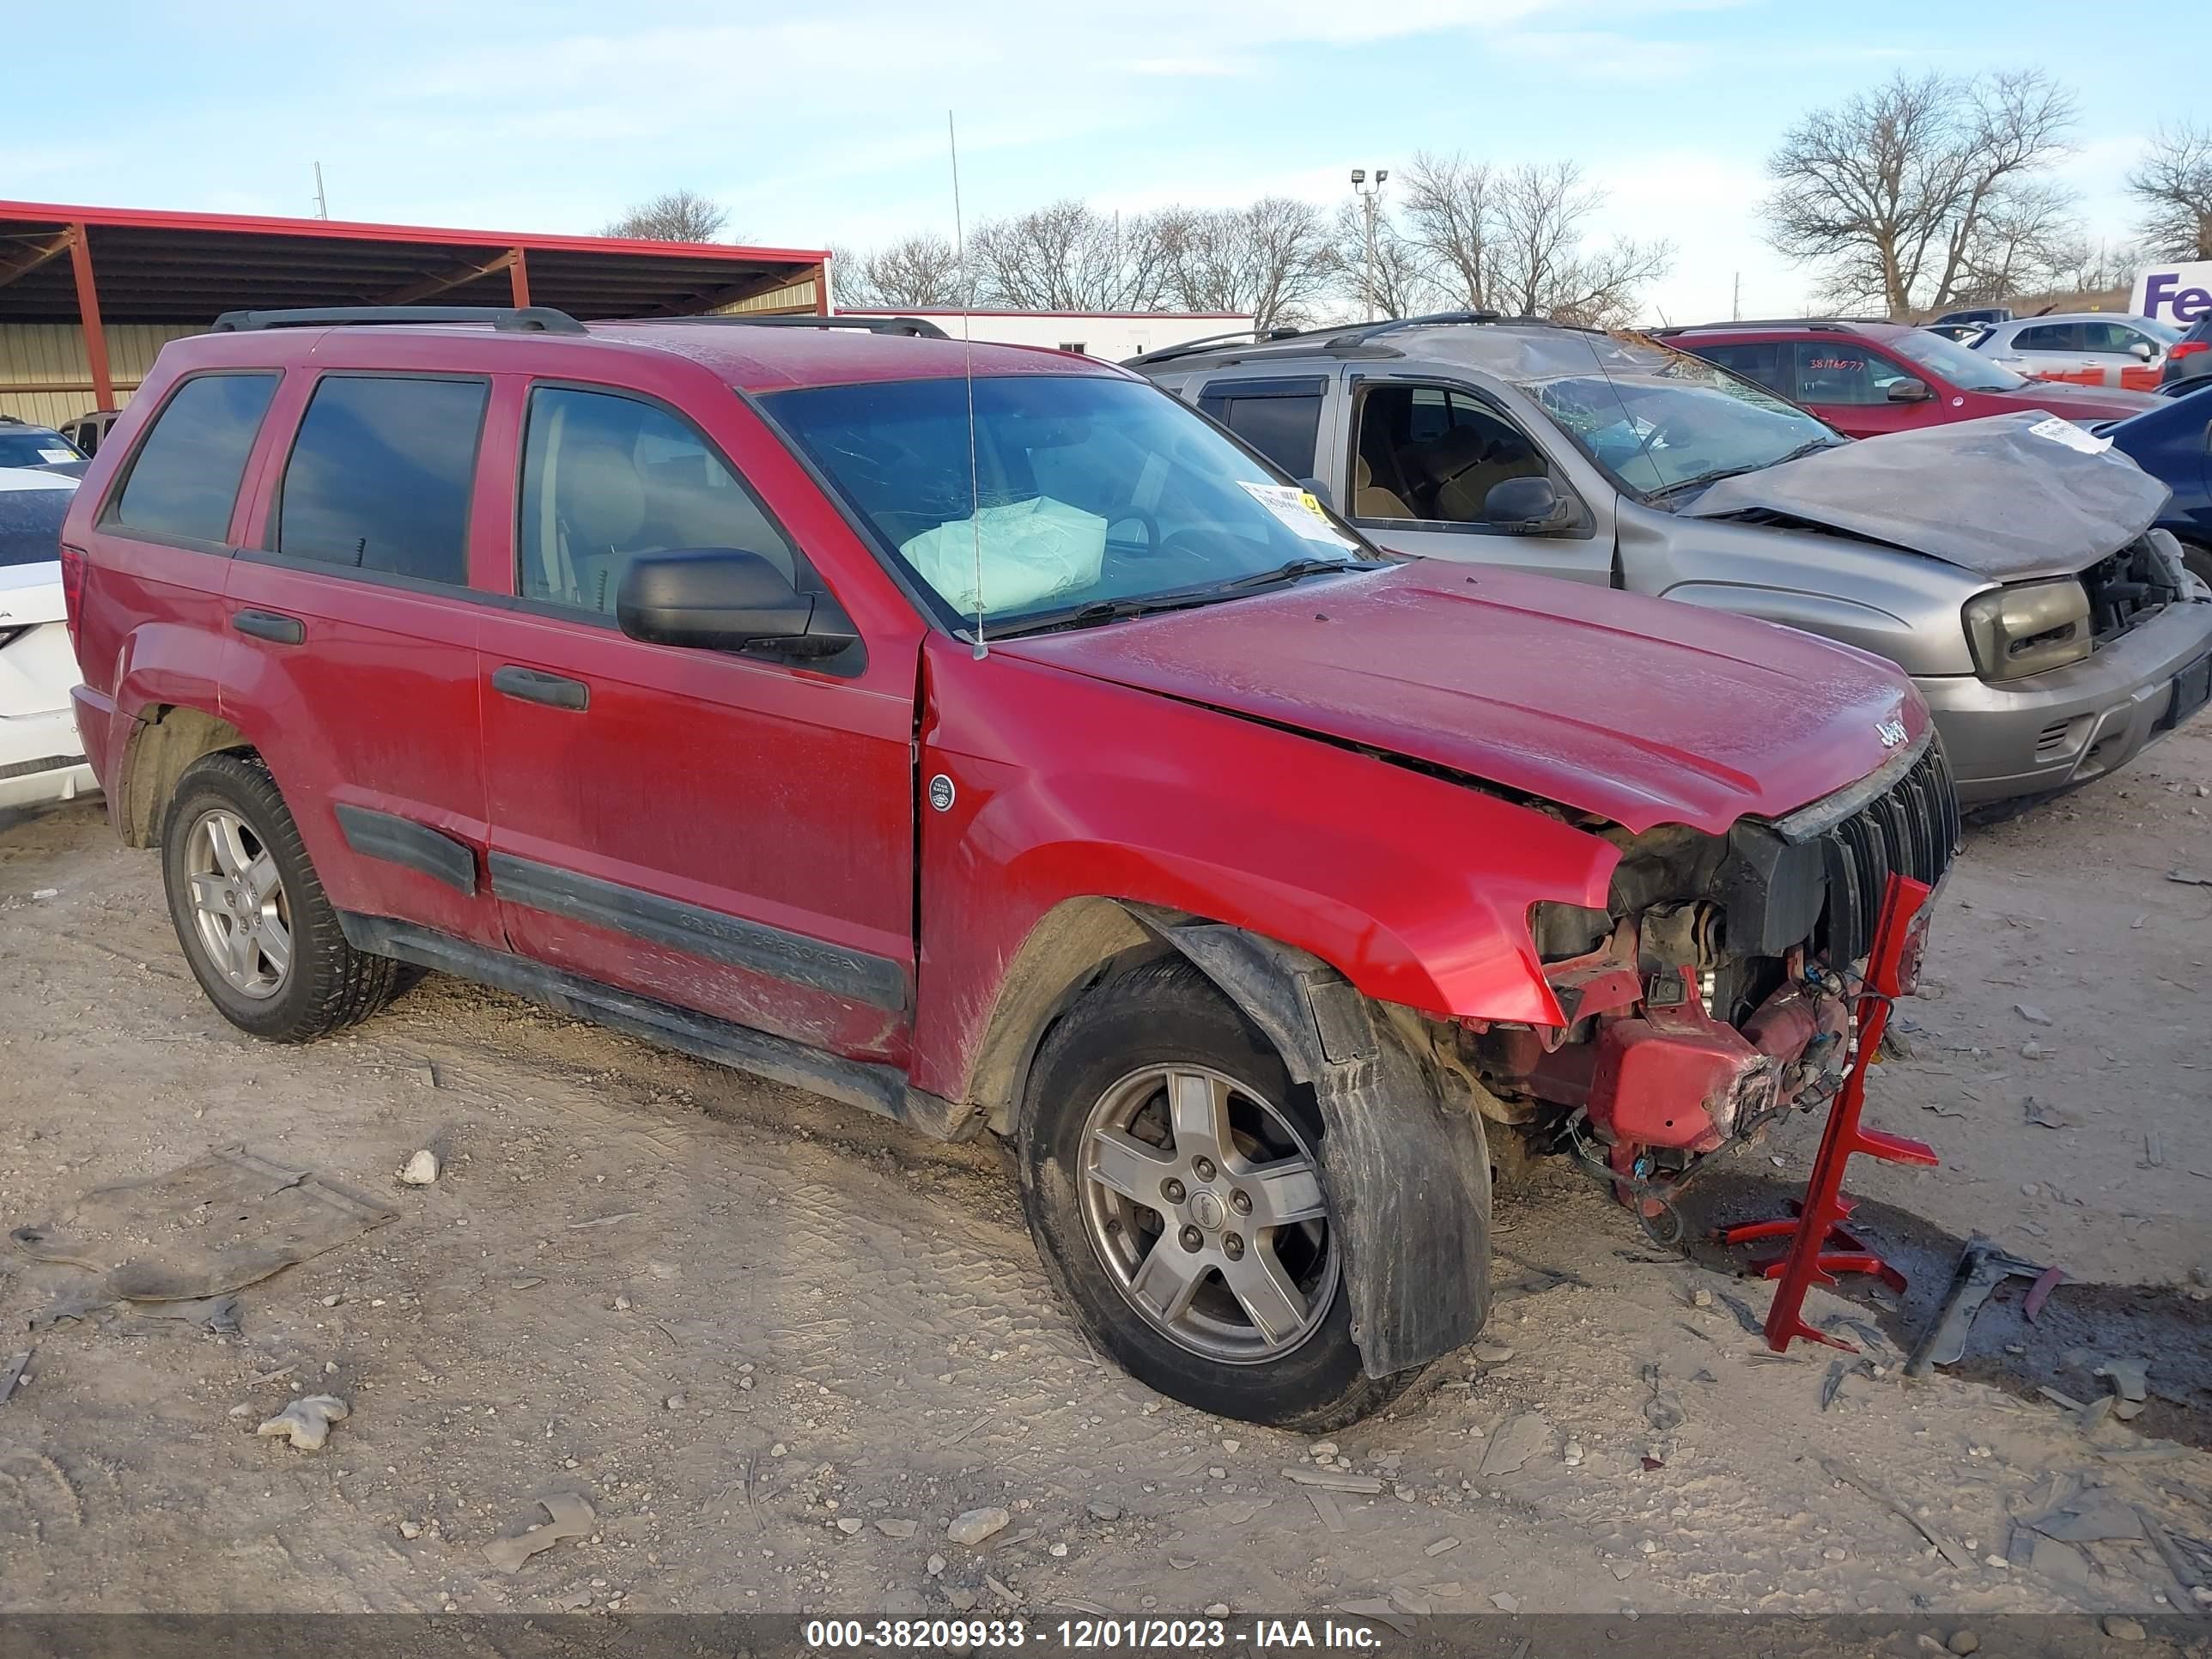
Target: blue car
2173, 444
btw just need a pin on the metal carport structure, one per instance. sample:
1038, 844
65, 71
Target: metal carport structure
70, 276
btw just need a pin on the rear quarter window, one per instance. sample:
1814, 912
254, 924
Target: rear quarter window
184, 480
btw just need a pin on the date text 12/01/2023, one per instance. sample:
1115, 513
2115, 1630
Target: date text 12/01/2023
1087, 1635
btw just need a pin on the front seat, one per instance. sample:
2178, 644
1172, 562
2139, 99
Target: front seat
600, 502
1371, 501
1464, 464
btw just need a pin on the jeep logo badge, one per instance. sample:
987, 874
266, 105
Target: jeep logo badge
1890, 732
940, 792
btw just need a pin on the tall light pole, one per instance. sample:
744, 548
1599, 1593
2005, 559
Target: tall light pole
1369, 200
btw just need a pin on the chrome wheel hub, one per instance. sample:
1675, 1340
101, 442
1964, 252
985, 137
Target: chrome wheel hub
238, 908
1203, 1200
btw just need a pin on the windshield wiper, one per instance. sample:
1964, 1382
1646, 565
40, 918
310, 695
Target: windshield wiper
1798, 454
1290, 571
1092, 613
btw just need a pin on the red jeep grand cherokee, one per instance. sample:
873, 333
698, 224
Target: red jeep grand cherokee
1868, 378
1248, 880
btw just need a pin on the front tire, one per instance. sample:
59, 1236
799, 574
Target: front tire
1169, 1174
262, 939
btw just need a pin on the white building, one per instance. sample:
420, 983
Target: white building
1112, 335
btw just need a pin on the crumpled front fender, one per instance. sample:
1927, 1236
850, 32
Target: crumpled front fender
1404, 1168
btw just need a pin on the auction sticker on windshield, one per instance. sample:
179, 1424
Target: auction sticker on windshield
1300, 511
2065, 432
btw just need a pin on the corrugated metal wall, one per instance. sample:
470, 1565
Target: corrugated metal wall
44, 377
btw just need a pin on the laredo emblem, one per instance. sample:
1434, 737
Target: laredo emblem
1890, 732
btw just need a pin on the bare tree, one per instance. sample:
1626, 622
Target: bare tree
1542, 266
1404, 283
674, 215
1451, 206
1068, 257
2027, 243
2174, 186
1270, 259
921, 271
1892, 191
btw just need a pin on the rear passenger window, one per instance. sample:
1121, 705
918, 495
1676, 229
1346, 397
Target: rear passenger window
2049, 336
379, 476
1281, 420
605, 478
184, 480
1763, 362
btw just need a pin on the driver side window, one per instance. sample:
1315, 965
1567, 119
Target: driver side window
1434, 454
607, 478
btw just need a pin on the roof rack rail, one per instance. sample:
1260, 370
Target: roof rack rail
513, 320
1837, 324
920, 328
1365, 331
1208, 342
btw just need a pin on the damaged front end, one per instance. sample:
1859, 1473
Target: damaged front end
1717, 989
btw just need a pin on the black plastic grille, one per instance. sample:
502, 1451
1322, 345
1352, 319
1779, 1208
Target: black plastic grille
1912, 830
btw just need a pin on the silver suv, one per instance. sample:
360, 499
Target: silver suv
2007, 564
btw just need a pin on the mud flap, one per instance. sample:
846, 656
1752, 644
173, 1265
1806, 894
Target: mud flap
1404, 1172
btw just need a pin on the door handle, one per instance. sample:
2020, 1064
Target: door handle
536, 685
269, 625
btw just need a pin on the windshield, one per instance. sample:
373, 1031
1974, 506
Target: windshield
31, 524
2163, 332
1659, 425
30, 447
1092, 491
1966, 369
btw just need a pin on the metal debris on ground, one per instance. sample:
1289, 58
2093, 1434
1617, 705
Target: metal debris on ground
306, 1423
11, 1374
571, 1517
1982, 1267
1331, 1480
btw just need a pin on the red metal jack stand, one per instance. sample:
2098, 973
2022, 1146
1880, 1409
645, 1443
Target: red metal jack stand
1810, 1260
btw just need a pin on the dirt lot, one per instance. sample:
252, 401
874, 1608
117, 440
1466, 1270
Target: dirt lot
738, 1320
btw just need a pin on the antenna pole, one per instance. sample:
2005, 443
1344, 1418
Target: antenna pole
322, 202
968, 354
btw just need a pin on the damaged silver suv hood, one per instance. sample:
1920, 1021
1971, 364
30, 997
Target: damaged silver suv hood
2011, 497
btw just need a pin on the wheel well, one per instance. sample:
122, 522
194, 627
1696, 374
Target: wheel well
1078, 944
168, 740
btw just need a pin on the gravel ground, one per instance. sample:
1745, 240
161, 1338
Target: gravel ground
777, 1347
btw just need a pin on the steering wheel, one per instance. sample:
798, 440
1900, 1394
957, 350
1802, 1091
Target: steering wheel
1138, 515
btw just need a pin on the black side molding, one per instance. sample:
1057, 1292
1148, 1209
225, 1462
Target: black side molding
419, 847
881, 1089
853, 975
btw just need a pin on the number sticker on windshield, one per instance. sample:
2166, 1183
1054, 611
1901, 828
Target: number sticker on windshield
1299, 510
2065, 432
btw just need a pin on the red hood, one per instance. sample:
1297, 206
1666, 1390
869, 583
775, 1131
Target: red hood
2111, 402
1643, 711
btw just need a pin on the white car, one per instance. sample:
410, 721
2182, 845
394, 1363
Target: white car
41, 757
2087, 348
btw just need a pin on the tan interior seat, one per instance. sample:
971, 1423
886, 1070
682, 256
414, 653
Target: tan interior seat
1371, 501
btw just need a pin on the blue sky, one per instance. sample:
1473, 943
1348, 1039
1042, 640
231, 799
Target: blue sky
552, 116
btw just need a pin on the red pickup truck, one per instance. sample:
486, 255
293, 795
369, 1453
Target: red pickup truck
1057, 769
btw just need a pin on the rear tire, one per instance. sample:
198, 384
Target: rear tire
262, 939
1235, 1216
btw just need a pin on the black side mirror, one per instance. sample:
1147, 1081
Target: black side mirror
718, 598
1909, 390
1527, 507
